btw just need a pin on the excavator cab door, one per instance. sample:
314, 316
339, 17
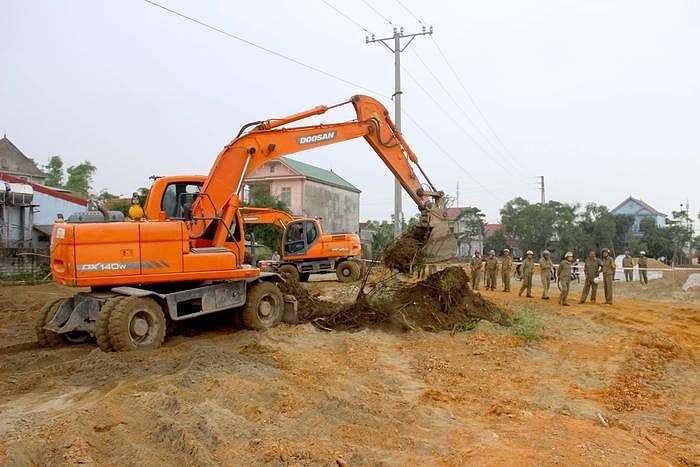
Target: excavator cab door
299, 237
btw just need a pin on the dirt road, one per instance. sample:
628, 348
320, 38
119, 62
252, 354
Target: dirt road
604, 385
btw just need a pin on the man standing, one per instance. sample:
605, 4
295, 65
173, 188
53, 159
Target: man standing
642, 263
476, 264
591, 268
564, 277
608, 274
506, 269
546, 267
527, 269
627, 265
491, 268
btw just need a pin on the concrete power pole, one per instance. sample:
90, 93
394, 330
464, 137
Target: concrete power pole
396, 50
542, 189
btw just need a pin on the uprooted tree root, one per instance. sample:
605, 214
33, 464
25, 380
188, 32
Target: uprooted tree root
441, 302
406, 252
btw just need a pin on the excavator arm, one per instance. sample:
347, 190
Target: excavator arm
271, 139
266, 216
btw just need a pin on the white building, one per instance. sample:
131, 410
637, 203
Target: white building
639, 210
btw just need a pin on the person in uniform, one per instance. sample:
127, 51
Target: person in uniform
476, 264
591, 268
546, 267
627, 266
608, 275
491, 269
642, 263
506, 269
526, 271
564, 278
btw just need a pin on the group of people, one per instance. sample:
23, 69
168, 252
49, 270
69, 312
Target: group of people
593, 268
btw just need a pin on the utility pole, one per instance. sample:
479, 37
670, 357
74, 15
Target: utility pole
396, 50
541, 187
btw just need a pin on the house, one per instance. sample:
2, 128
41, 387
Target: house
28, 211
311, 191
14, 162
639, 210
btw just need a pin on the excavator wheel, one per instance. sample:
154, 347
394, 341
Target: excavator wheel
289, 272
264, 306
102, 323
304, 277
348, 271
44, 337
136, 323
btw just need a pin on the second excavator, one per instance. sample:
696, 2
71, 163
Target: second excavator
185, 257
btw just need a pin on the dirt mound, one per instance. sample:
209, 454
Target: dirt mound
442, 301
406, 252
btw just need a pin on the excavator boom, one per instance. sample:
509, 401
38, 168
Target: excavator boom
270, 139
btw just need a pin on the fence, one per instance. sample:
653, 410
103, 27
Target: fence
22, 261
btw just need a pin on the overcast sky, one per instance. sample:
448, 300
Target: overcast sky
602, 98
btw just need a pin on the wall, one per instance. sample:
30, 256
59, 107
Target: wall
297, 187
339, 208
15, 226
13, 261
48, 206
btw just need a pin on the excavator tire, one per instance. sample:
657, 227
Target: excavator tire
348, 271
304, 277
44, 337
102, 323
289, 272
264, 306
136, 323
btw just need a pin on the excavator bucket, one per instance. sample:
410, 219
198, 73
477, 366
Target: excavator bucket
442, 244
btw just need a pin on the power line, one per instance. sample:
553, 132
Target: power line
409, 11
456, 103
449, 156
265, 49
330, 5
454, 120
369, 5
476, 106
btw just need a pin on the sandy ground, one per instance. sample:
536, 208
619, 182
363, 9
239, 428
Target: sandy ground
604, 385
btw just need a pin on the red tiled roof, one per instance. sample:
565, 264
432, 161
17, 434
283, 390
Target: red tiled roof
44, 189
490, 229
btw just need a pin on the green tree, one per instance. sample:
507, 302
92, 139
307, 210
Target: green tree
54, 169
681, 234
496, 242
533, 224
469, 225
657, 239
598, 227
623, 239
80, 178
382, 238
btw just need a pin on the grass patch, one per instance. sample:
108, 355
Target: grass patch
526, 323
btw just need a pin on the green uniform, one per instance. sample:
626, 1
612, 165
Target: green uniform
564, 278
592, 268
527, 268
608, 275
491, 268
546, 266
627, 266
506, 270
476, 264
642, 263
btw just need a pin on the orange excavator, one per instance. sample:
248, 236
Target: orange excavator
185, 257
306, 249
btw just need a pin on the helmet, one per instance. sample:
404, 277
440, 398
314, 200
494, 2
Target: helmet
568, 253
643, 253
492, 252
506, 250
545, 252
604, 250
529, 252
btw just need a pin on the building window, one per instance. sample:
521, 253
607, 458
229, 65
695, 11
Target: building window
272, 168
286, 196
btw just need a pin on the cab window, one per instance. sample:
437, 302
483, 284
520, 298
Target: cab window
174, 195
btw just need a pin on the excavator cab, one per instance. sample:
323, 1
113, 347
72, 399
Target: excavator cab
299, 237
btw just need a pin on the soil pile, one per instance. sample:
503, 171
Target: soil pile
406, 252
442, 301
